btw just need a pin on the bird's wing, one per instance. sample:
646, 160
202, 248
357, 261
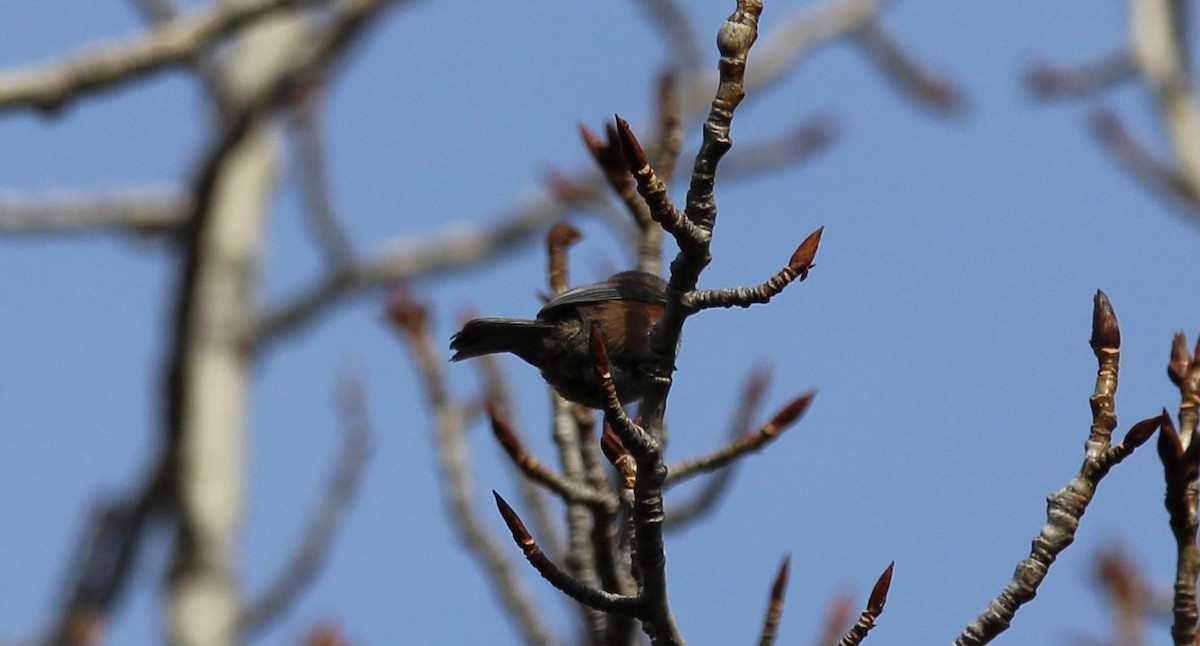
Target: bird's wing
628, 285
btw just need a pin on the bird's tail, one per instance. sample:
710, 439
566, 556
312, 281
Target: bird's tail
491, 335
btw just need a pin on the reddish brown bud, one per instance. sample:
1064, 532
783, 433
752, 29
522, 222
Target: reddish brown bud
1106, 334
563, 234
593, 143
789, 413
614, 142
1170, 449
802, 259
566, 188
1142, 431
406, 312
635, 157
880, 592
599, 354
326, 635
519, 533
612, 446
781, 579
1180, 361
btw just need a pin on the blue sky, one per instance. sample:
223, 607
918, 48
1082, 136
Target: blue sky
945, 326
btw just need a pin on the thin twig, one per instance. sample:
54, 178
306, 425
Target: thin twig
1065, 507
786, 150
537, 471
1049, 82
587, 595
923, 88
796, 269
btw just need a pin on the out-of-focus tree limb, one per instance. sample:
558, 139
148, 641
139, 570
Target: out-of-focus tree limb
1050, 82
1157, 54
1156, 39
208, 369
1160, 178
671, 20
135, 210
48, 87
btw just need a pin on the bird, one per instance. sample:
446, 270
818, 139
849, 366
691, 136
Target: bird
624, 308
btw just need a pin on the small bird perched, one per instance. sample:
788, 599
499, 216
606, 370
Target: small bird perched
624, 308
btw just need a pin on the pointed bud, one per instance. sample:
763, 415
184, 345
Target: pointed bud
789, 413
563, 234
519, 533
635, 157
611, 445
593, 143
405, 312
1170, 449
599, 354
1142, 431
1106, 334
781, 579
880, 592
802, 259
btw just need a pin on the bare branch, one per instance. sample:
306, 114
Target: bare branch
1162, 180
924, 88
207, 370
403, 260
1181, 470
797, 268
143, 211
569, 585
653, 190
50, 86
1066, 506
1049, 83
1157, 40
786, 150
537, 471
